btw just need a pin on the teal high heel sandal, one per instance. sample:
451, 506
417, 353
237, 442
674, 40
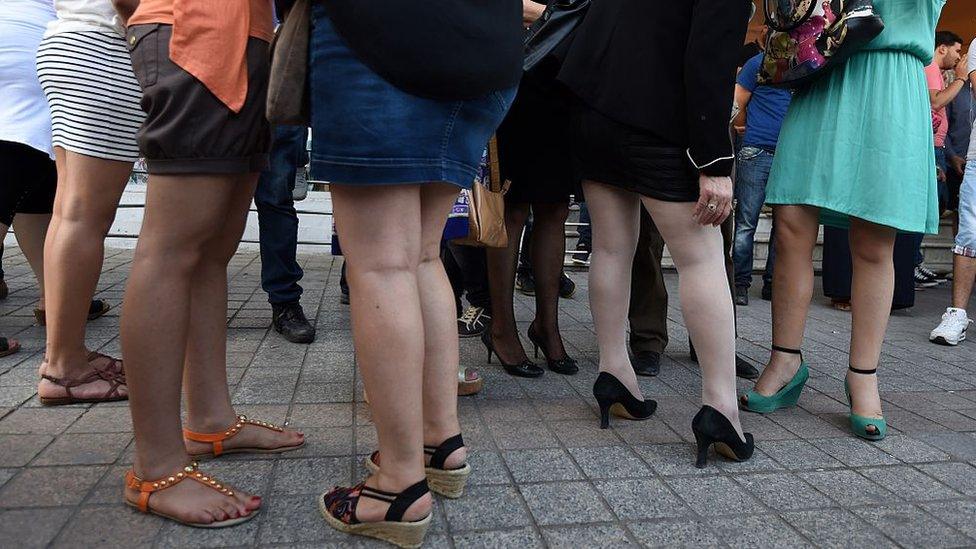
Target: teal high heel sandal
860, 424
785, 397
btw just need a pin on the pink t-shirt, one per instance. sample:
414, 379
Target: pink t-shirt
940, 120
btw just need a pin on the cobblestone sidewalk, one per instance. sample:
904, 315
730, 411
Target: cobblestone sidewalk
545, 474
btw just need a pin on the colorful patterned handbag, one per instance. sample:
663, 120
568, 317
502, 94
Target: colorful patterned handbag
807, 37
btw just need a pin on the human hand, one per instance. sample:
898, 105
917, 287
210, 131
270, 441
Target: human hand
531, 11
962, 70
958, 164
715, 200
940, 175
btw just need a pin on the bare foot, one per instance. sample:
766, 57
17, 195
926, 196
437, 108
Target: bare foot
372, 510
780, 371
102, 377
250, 436
865, 397
190, 501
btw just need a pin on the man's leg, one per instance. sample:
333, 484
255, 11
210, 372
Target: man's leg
956, 320
750, 193
278, 223
648, 300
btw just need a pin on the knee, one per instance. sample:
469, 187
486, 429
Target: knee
385, 265
82, 213
791, 238
869, 253
516, 213
552, 213
160, 259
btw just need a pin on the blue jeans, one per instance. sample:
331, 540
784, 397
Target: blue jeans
752, 173
277, 219
585, 230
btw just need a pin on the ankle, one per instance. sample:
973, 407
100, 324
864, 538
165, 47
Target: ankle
211, 421
159, 466
66, 364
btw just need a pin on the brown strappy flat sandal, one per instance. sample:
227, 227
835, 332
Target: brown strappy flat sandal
8, 346
217, 440
112, 372
149, 487
97, 308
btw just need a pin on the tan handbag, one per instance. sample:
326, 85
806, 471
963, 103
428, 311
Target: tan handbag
288, 94
486, 217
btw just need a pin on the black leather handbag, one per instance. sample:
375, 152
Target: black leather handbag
556, 24
808, 37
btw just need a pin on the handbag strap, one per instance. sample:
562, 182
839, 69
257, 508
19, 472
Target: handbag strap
494, 170
773, 22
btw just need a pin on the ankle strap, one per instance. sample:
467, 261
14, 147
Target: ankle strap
787, 351
862, 372
399, 503
439, 454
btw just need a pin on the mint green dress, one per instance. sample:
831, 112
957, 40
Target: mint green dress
859, 141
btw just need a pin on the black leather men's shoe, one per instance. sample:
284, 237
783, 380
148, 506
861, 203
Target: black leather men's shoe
646, 363
767, 291
289, 320
743, 368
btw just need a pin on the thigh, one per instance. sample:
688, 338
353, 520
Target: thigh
436, 201
615, 214
183, 213
91, 187
796, 225
687, 240
379, 225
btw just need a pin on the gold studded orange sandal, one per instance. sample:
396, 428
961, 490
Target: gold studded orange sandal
217, 440
147, 488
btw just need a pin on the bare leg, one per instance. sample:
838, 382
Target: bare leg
182, 214
441, 354
208, 402
872, 288
615, 214
383, 251
796, 237
706, 301
501, 286
89, 190
963, 278
548, 250
30, 230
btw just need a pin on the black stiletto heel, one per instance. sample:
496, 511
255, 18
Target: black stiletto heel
614, 397
526, 368
566, 366
712, 427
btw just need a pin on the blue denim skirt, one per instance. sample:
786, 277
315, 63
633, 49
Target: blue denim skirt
365, 131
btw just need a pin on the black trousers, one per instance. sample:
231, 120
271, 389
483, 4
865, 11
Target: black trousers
467, 269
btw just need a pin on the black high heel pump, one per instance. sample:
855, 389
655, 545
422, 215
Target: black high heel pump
526, 368
613, 396
712, 427
566, 366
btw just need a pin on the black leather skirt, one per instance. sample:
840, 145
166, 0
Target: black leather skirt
633, 159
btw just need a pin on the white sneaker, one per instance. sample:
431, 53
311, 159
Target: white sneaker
952, 329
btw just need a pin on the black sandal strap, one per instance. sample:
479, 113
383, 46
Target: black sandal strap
438, 455
787, 351
404, 500
862, 372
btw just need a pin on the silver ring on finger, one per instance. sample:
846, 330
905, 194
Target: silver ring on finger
712, 206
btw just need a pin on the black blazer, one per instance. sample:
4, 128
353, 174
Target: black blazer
664, 66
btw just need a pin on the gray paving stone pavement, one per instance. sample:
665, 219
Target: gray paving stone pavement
544, 474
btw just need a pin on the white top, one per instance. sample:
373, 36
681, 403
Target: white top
24, 114
971, 64
85, 15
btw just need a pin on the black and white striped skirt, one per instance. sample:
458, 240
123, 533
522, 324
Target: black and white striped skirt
94, 96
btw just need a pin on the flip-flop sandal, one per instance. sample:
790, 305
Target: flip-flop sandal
469, 382
217, 440
112, 372
147, 488
97, 308
8, 346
